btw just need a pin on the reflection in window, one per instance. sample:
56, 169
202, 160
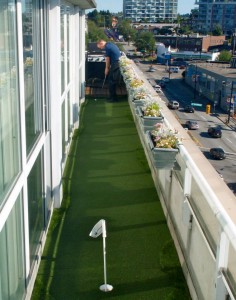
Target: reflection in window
68, 44
69, 123
63, 124
62, 50
9, 109
12, 264
35, 207
32, 66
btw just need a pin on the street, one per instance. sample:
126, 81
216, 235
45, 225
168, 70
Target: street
177, 90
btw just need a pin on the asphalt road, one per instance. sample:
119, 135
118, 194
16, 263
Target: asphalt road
176, 89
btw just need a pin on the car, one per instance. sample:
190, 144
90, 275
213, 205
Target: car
215, 132
173, 104
189, 109
162, 84
151, 69
192, 124
165, 79
217, 153
157, 88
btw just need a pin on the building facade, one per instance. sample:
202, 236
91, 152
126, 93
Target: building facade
216, 13
42, 75
150, 10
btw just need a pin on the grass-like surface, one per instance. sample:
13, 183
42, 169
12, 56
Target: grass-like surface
107, 177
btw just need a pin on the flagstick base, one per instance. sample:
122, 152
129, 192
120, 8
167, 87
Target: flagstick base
106, 287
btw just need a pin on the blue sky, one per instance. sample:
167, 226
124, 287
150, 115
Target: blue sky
184, 6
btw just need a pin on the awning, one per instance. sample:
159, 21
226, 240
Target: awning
84, 4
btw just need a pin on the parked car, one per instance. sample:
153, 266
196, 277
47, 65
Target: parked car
165, 79
162, 84
192, 124
215, 132
157, 89
151, 69
189, 109
173, 104
217, 153
174, 69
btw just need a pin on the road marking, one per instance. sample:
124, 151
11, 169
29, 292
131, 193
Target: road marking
229, 140
203, 118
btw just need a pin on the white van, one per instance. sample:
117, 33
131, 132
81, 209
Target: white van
174, 69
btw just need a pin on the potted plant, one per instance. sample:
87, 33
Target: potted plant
140, 96
150, 114
163, 143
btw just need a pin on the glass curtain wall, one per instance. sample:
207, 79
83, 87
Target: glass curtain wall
32, 71
35, 207
9, 98
66, 12
62, 48
12, 264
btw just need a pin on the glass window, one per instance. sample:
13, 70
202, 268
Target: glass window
35, 207
63, 124
32, 71
68, 44
12, 264
69, 117
9, 108
62, 50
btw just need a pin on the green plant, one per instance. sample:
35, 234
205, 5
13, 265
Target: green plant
164, 137
152, 109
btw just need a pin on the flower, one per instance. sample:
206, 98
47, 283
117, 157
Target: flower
141, 94
135, 83
151, 109
164, 137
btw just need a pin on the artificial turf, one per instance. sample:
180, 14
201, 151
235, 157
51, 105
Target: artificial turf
107, 177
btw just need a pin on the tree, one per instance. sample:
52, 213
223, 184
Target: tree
126, 30
94, 32
217, 30
145, 41
224, 56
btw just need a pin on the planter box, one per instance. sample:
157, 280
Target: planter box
163, 158
148, 122
138, 103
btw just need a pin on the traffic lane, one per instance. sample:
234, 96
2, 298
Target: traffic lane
225, 168
228, 139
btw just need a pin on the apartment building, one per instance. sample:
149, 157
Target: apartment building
150, 10
216, 13
42, 76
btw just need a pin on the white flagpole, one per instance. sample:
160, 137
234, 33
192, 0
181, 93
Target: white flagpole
99, 228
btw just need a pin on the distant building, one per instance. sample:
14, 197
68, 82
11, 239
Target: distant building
150, 10
216, 13
191, 43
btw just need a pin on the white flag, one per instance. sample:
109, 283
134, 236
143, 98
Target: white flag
99, 228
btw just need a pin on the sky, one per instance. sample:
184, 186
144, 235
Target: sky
184, 6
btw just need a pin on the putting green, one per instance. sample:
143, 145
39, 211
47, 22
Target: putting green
107, 177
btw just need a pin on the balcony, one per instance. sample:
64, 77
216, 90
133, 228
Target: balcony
109, 177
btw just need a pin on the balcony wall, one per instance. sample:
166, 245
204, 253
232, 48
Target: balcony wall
200, 211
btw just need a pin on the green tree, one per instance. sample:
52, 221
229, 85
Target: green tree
224, 56
217, 30
126, 30
145, 41
94, 33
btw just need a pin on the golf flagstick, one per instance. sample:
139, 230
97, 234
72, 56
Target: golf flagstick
104, 82
98, 229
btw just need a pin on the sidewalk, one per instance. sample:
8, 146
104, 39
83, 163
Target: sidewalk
107, 176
